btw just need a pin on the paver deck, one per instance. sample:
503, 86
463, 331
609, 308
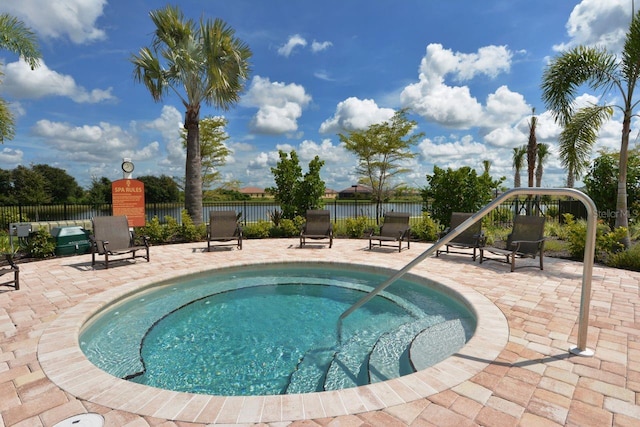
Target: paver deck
521, 375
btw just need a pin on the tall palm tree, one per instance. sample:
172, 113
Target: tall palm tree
602, 71
17, 38
541, 157
518, 162
199, 63
532, 147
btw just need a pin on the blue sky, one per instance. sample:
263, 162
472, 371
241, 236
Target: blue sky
469, 70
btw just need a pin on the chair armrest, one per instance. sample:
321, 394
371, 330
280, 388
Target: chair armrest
516, 243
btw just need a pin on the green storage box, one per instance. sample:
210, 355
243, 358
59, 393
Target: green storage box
70, 240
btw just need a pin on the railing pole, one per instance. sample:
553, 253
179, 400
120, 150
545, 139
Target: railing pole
583, 320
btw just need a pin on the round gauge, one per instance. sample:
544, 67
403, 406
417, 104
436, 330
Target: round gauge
127, 167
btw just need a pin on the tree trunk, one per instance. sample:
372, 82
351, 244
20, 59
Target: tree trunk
622, 212
193, 167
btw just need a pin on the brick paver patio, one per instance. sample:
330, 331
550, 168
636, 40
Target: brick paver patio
532, 379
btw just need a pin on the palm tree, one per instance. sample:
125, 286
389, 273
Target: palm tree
17, 38
199, 63
532, 147
542, 154
518, 161
603, 71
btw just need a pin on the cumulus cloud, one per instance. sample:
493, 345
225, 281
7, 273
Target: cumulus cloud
279, 105
441, 151
21, 82
293, 42
454, 106
54, 19
169, 124
598, 23
355, 114
92, 143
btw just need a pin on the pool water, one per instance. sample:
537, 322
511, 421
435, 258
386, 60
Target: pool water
273, 330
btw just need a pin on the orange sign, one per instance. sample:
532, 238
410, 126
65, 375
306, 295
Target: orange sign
128, 199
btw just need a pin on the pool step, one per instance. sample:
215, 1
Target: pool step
390, 355
349, 366
438, 342
310, 373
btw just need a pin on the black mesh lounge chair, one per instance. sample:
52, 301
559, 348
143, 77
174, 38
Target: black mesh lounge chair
526, 240
395, 230
317, 227
471, 238
112, 237
224, 228
8, 266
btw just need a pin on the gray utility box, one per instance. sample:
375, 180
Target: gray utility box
70, 240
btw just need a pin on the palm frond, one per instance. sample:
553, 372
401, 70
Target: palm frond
566, 73
580, 134
17, 38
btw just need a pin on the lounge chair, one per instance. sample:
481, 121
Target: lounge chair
317, 227
526, 240
224, 228
10, 267
471, 238
112, 237
395, 230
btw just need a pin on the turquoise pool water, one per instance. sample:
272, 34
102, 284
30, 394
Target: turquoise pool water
271, 329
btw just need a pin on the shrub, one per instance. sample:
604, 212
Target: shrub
154, 231
629, 259
189, 232
425, 229
257, 230
289, 227
355, 227
40, 244
607, 241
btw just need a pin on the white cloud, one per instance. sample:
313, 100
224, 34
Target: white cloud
54, 19
598, 23
169, 123
279, 105
440, 152
92, 143
325, 150
355, 114
21, 82
505, 106
10, 158
454, 106
320, 46
293, 42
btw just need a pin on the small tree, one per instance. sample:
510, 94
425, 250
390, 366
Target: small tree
601, 182
294, 193
380, 149
160, 189
460, 190
213, 151
518, 161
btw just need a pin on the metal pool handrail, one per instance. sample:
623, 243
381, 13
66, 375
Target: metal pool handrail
587, 271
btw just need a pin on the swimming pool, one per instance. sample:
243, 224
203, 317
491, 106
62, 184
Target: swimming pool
272, 330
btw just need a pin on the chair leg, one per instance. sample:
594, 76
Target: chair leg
513, 262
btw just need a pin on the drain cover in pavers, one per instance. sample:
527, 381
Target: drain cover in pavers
82, 420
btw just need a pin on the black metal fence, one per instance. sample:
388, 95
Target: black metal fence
253, 211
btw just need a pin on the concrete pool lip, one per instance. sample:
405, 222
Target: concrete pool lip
64, 363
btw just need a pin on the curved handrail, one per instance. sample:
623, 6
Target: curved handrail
587, 272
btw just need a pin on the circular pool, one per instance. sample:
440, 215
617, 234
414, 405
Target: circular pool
273, 330
66, 365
